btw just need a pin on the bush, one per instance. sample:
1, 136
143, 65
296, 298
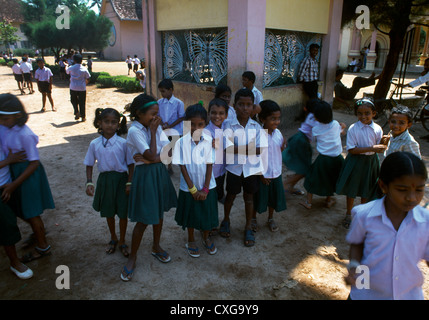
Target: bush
21, 51
3, 62
105, 81
123, 82
95, 75
10, 64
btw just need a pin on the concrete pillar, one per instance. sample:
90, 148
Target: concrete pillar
246, 40
425, 52
372, 56
355, 43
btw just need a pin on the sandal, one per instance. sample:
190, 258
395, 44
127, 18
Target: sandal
306, 205
224, 229
272, 225
193, 252
43, 109
330, 203
112, 246
211, 249
126, 275
254, 225
163, 256
124, 250
40, 254
27, 274
347, 221
249, 238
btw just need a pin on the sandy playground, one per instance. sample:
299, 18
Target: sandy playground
304, 260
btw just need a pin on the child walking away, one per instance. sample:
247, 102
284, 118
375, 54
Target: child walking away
197, 203
9, 231
243, 147
17, 73
298, 153
44, 78
152, 192
116, 167
323, 175
89, 63
359, 174
26, 68
271, 193
30, 182
400, 120
224, 92
129, 63
136, 62
390, 236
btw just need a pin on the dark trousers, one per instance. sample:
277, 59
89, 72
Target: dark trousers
78, 100
311, 88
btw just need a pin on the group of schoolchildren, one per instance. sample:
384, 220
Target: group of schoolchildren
134, 181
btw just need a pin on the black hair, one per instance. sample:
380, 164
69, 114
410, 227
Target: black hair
221, 88
101, 113
220, 103
399, 164
24, 59
312, 104
314, 45
40, 59
268, 107
339, 72
138, 102
77, 58
10, 103
365, 101
196, 110
166, 84
323, 112
249, 75
400, 109
15, 60
244, 92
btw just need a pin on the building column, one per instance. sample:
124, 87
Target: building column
355, 43
246, 40
372, 56
425, 52
329, 55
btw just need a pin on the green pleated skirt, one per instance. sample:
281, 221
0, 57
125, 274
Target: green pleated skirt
34, 194
272, 196
152, 193
359, 176
9, 231
110, 195
323, 175
200, 215
298, 153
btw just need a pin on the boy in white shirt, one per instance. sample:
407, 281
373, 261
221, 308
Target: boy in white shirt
26, 69
44, 78
248, 79
17, 72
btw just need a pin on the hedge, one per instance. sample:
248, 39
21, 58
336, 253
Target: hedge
123, 82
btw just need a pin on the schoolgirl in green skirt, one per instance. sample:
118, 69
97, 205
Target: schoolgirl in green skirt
298, 154
197, 203
322, 176
271, 193
32, 191
116, 166
359, 174
152, 192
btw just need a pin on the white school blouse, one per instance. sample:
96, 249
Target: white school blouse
26, 67
44, 74
171, 110
391, 255
307, 126
241, 136
328, 138
16, 69
110, 155
138, 139
20, 139
195, 158
274, 156
360, 135
4, 172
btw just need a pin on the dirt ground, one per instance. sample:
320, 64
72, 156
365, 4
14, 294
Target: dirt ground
304, 260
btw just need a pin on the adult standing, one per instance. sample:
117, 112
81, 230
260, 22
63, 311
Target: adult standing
309, 72
79, 76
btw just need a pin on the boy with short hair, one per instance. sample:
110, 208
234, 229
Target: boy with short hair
308, 73
44, 78
248, 79
244, 170
17, 72
26, 69
401, 119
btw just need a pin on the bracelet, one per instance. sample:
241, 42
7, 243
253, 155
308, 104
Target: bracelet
353, 264
205, 190
193, 190
89, 184
128, 184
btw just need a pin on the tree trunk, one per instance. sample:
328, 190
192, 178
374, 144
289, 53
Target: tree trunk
396, 35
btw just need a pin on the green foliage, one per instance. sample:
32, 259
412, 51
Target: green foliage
19, 52
122, 82
2, 62
7, 33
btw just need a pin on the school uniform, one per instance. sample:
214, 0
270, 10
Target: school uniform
43, 77
391, 255
152, 192
78, 76
170, 110
243, 170
219, 167
26, 69
129, 62
231, 114
136, 64
325, 170
405, 142
359, 174
113, 158
9, 231
34, 193
298, 154
201, 215
257, 95
272, 195
17, 73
